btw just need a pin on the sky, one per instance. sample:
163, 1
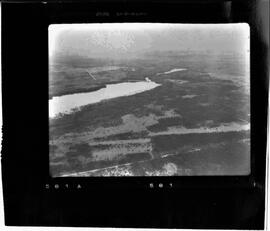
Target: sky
132, 39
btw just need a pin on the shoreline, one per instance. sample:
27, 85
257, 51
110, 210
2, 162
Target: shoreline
88, 90
66, 104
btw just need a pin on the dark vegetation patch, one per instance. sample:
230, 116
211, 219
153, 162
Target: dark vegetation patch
163, 124
228, 159
70, 90
172, 142
82, 149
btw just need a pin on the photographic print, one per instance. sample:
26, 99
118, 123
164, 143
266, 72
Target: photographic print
149, 99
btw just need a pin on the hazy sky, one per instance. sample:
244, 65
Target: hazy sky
124, 39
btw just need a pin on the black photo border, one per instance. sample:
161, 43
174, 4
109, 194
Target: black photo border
33, 198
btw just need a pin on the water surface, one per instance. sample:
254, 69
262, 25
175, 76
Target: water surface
172, 71
68, 103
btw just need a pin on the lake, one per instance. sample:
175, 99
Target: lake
66, 104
